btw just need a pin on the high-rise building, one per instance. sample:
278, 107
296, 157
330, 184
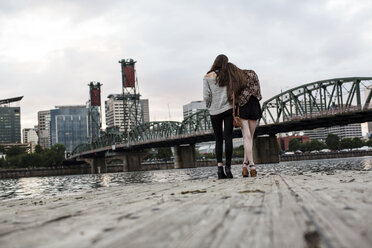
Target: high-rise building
115, 114
145, 110
192, 108
69, 126
43, 118
10, 121
318, 133
30, 135
347, 131
31, 138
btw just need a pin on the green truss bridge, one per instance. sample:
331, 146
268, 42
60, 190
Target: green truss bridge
325, 103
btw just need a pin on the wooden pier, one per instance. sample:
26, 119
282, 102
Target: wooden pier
312, 210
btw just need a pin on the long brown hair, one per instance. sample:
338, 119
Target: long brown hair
237, 80
220, 68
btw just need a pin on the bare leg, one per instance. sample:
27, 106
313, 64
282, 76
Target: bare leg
247, 141
252, 127
245, 156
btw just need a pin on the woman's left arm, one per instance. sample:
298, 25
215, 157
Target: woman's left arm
207, 94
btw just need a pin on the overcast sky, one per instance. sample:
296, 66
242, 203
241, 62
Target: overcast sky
51, 50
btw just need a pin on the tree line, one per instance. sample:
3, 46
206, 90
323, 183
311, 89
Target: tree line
238, 152
17, 157
332, 142
159, 154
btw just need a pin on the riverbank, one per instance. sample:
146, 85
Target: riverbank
85, 168
330, 209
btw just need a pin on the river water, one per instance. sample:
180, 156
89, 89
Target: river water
61, 185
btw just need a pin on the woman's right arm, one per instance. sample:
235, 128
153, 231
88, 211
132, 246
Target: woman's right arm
207, 94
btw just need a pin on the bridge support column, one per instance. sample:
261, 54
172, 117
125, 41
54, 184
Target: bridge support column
184, 156
97, 165
265, 150
131, 161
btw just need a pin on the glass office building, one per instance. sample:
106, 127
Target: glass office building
69, 126
10, 120
10, 125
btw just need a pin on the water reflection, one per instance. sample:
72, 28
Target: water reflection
367, 164
60, 185
30, 186
102, 180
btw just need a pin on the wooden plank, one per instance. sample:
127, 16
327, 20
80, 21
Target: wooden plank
313, 210
340, 206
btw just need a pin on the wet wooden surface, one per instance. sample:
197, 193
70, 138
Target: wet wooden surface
310, 210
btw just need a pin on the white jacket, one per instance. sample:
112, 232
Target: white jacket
215, 97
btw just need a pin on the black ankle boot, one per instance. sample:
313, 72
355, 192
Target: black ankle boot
228, 171
221, 174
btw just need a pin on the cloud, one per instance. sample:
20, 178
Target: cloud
50, 51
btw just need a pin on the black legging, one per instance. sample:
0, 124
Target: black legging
227, 119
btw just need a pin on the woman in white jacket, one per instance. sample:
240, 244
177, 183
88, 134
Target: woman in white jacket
215, 96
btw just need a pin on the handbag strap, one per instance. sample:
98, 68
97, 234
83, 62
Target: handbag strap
234, 106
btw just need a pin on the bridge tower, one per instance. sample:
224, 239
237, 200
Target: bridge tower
131, 97
94, 111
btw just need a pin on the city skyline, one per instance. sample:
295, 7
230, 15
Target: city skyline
51, 51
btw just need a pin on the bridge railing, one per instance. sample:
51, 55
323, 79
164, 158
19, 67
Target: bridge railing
325, 113
199, 121
154, 130
325, 97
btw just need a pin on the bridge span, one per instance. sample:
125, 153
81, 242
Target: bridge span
325, 103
